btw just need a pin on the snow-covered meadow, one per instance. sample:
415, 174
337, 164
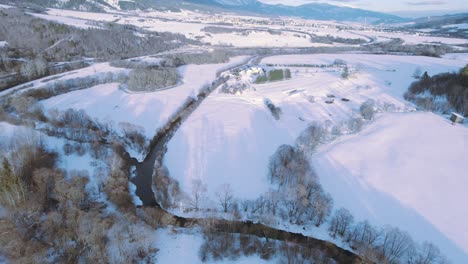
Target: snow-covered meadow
406, 170
255, 31
149, 111
230, 138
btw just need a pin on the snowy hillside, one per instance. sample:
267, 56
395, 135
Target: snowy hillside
194, 131
236, 134
230, 138
406, 170
149, 111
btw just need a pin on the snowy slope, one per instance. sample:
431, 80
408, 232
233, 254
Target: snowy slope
230, 138
149, 110
407, 170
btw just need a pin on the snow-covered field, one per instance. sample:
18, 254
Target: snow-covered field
230, 138
183, 245
407, 170
94, 71
148, 110
75, 22
290, 36
459, 26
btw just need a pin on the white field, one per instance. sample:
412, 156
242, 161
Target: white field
172, 22
95, 70
230, 138
71, 21
108, 103
406, 170
183, 245
459, 26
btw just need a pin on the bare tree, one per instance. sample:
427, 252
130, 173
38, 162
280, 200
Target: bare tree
225, 196
395, 245
427, 253
341, 222
322, 208
364, 233
198, 191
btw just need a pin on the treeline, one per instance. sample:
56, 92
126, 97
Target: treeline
149, 80
213, 57
328, 39
398, 46
441, 92
219, 246
29, 37
33, 43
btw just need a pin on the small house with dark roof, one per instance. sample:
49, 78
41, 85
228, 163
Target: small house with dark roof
457, 118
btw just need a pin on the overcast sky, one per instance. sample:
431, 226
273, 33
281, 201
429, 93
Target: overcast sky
388, 5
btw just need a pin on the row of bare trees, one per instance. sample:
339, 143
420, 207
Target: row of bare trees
382, 245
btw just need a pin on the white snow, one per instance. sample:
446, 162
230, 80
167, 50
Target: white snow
459, 26
3, 44
148, 110
97, 70
407, 170
294, 33
75, 22
230, 138
183, 245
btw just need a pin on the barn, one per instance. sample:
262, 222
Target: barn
457, 118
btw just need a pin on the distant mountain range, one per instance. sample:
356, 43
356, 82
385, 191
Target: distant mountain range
437, 21
455, 25
317, 11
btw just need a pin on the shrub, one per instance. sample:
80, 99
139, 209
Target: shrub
367, 109
275, 111
345, 73
276, 75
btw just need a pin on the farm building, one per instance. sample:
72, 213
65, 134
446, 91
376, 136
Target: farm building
255, 71
456, 118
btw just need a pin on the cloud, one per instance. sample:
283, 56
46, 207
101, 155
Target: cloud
425, 3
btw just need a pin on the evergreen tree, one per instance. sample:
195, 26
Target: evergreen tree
345, 73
